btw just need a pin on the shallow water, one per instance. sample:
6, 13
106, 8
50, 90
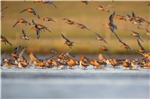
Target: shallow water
77, 83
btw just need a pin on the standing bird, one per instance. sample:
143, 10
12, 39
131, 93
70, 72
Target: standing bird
100, 38
67, 42
3, 39
111, 24
124, 44
48, 19
49, 2
81, 26
25, 37
31, 10
22, 21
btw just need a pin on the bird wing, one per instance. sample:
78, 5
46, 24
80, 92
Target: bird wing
16, 49
65, 38
52, 3
111, 17
38, 33
33, 22
3, 9
15, 24
22, 51
35, 13
23, 32
133, 14
23, 10
141, 45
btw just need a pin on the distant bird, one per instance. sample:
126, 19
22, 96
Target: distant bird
22, 21
135, 34
31, 10
70, 22
100, 38
104, 8
104, 48
67, 42
85, 1
81, 26
141, 50
2, 12
25, 37
48, 19
124, 45
121, 17
49, 2
3, 39
111, 24
147, 32
3, 9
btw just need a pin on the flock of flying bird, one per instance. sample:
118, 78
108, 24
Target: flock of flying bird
65, 59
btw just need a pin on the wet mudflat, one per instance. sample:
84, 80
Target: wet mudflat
76, 83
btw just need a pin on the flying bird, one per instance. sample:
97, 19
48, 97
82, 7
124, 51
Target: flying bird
70, 22
22, 21
3, 39
25, 37
142, 50
81, 26
67, 42
135, 34
31, 10
124, 45
100, 38
49, 2
48, 19
111, 24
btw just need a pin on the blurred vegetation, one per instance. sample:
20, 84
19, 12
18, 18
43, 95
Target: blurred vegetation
79, 12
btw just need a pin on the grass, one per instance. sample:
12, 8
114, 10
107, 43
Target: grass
79, 12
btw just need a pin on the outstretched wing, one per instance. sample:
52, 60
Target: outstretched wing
38, 33
3, 9
23, 32
111, 17
15, 24
23, 10
133, 14
35, 13
65, 38
141, 45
